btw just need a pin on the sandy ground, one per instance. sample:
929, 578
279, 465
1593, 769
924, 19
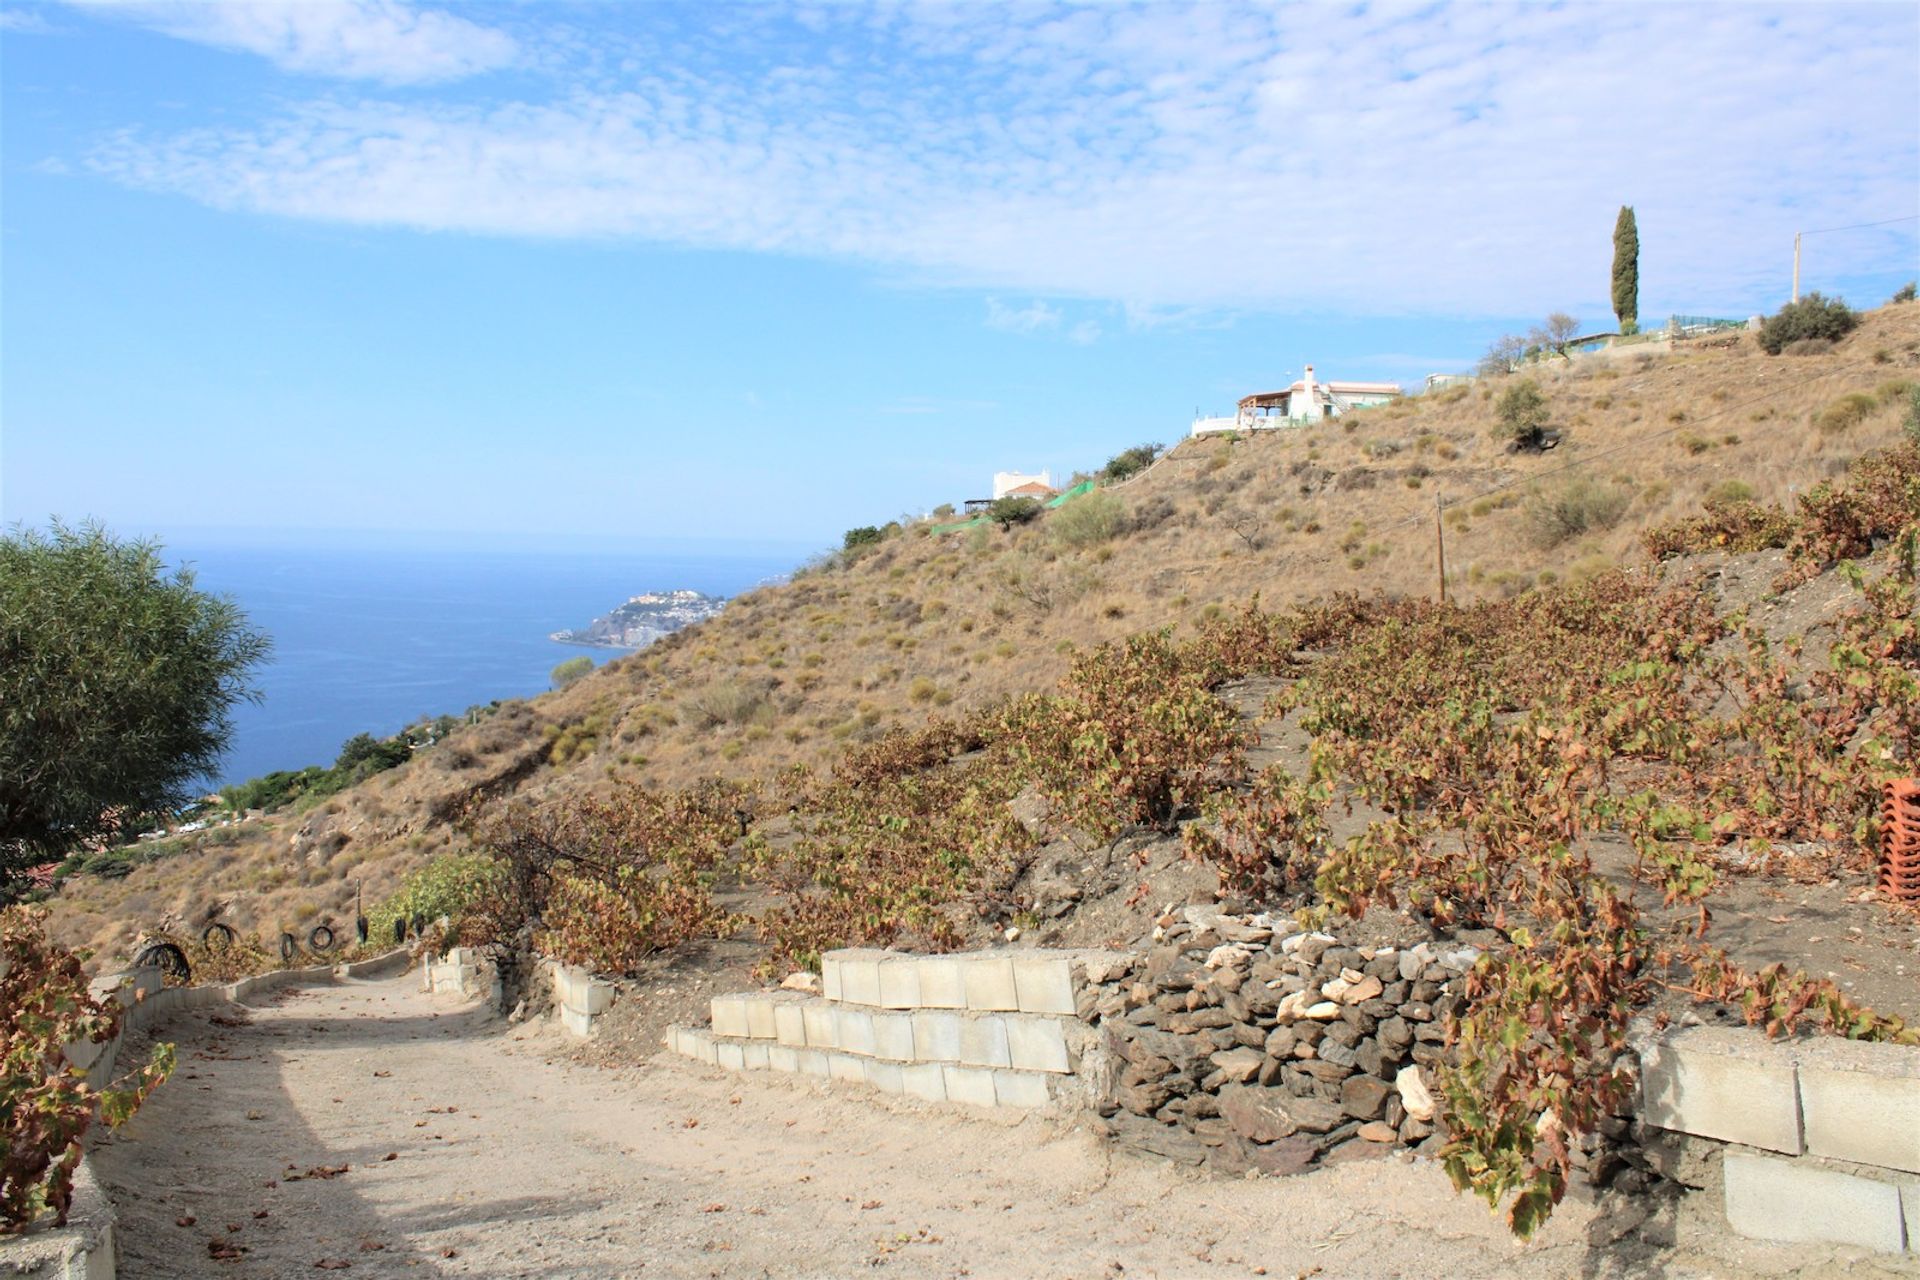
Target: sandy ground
474, 1148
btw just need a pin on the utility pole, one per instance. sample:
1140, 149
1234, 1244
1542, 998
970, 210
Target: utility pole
1796, 266
1440, 544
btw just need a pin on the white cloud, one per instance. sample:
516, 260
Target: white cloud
1032, 318
1461, 161
383, 40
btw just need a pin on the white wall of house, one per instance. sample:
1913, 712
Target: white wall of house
1003, 481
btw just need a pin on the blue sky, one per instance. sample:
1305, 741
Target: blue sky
755, 273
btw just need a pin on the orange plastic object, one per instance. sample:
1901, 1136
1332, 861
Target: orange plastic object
1900, 840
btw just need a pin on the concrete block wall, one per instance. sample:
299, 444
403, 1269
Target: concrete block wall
463, 971
990, 1029
580, 998
1823, 1135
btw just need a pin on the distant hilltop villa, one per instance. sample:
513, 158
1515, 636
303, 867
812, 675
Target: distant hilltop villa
1308, 400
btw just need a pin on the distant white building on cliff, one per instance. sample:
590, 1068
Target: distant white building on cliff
1308, 400
1022, 485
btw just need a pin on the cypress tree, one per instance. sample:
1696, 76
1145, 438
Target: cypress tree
1626, 270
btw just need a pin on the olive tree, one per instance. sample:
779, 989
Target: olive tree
117, 684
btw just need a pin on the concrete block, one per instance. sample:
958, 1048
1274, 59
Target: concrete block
893, 1036
753, 1055
730, 1015
859, 975
822, 1023
790, 1024
973, 1085
928, 1081
781, 1057
1037, 1044
594, 996
983, 1042
846, 1068
942, 981
760, 1019
936, 1036
900, 983
729, 1054
1861, 1102
814, 1062
1717, 1082
853, 1030
830, 975
990, 985
1025, 1090
884, 1076
1910, 1206
84, 1053
576, 1023
1770, 1199
1044, 983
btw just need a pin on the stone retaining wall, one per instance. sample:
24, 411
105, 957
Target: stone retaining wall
990, 1029
1246, 1043
1815, 1139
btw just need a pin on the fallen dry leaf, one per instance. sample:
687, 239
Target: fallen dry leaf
259, 1213
715, 1208
334, 1264
184, 1220
391, 1155
224, 1251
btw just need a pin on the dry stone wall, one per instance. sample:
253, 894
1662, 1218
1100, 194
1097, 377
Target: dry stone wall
1246, 1043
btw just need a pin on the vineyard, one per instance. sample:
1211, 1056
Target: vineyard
1495, 739
1575, 771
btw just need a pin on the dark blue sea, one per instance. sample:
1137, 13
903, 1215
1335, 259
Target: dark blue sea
371, 640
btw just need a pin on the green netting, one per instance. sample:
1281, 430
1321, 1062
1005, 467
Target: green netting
964, 524
1061, 500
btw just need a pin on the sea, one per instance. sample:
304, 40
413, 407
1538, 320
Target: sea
368, 640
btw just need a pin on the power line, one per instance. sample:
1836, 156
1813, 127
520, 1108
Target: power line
1884, 222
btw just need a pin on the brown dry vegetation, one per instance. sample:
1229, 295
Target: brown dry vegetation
790, 674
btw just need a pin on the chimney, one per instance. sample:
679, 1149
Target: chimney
1312, 401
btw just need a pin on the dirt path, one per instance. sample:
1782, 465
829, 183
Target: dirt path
473, 1148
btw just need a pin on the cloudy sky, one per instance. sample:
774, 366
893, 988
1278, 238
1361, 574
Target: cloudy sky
766, 271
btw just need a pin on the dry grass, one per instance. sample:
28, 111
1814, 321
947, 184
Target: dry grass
789, 674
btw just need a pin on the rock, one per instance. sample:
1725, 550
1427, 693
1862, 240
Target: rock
1270, 1070
1226, 955
1336, 989
1342, 1034
1412, 1130
1312, 947
1251, 1036
1326, 1069
802, 981
1239, 1065
1286, 1157
1410, 963
1143, 1099
1199, 1020
1280, 1041
1030, 810
1379, 1131
1312, 1115
1364, 1097
1395, 1035
1414, 1094
1324, 1011
1336, 1054
1371, 1058
1258, 1115
1350, 1151
1366, 989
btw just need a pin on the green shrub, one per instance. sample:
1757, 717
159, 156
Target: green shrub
1129, 462
865, 536
1905, 293
1846, 413
1008, 512
1582, 505
726, 702
1522, 412
443, 887
1728, 492
1813, 317
570, 670
1089, 519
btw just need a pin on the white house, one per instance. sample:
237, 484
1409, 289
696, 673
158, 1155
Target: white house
1308, 400
1005, 482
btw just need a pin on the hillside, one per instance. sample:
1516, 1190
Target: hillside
792, 674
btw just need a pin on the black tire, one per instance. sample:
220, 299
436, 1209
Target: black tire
321, 939
399, 931
217, 930
360, 929
167, 957
289, 948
